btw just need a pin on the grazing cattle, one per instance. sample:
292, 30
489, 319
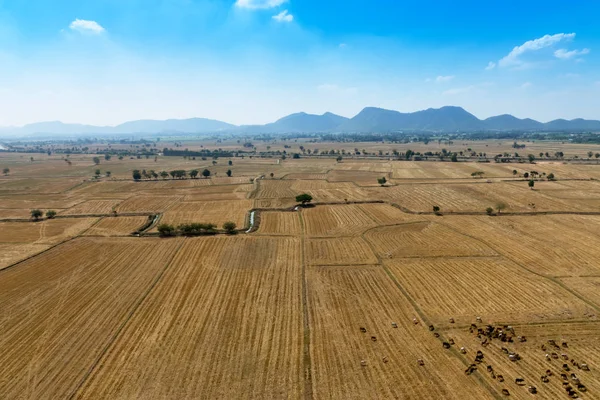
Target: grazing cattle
565, 345
435, 334
581, 387
504, 350
431, 328
463, 350
490, 368
415, 321
564, 356
555, 356
572, 394
385, 360
451, 320
363, 330
563, 377
505, 392
549, 372
478, 319
522, 339
566, 367
574, 363
520, 381
545, 379
363, 363
584, 367
543, 347
500, 378
479, 354
374, 338
420, 362
446, 345
548, 357
532, 389
451, 341
470, 369
394, 325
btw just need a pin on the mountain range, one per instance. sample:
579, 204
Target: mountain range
370, 119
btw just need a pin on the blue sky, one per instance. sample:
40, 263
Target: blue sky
253, 61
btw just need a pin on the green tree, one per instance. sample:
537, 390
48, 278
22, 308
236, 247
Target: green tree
500, 206
5, 171
50, 214
304, 198
551, 176
96, 160
271, 175
382, 181
107, 157
590, 154
454, 157
166, 230
229, 227
531, 184
526, 175
36, 214
164, 174
108, 173
489, 211
515, 172
339, 159
228, 172
206, 173
194, 173
137, 175
230, 162
531, 158
98, 173
436, 209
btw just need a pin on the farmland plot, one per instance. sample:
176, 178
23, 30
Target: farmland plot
339, 251
494, 288
215, 212
57, 313
119, 226
92, 207
269, 189
589, 287
424, 239
343, 299
279, 223
342, 220
225, 322
43, 232
12, 253
148, 203
423, 197
555, 246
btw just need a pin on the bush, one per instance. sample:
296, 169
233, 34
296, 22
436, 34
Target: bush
36, 214
166, 230
229, 227
304, 198
50, 214
489, 211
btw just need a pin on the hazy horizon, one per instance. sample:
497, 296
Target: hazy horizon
250, 62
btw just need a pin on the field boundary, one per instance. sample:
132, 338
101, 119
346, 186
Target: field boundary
308, 385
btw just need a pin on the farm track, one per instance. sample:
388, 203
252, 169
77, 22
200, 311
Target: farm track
308, 384
122, 326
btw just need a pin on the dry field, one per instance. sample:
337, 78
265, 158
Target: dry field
119, 226
88, 311
214, 212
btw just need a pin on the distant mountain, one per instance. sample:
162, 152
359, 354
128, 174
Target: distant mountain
573, 125
447, 118
370, 119
508, 122
300, 122
192, 125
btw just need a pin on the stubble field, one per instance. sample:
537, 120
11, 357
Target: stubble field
367, 293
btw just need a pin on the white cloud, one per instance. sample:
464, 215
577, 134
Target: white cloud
526, 85
283, 17
84, 26
442, 79
512, 59
491, 65
564, 54
259, 4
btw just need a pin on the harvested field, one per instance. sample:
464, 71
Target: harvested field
15, 213
214, 212
223, 192
116, 226
424, 239
195, 342
343, 299
493, 288
12, 253
274, 189
148, 204
279, 223
339, 251
50, 231
342, 220
554, 246
588, 286
48, 343
93, 207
